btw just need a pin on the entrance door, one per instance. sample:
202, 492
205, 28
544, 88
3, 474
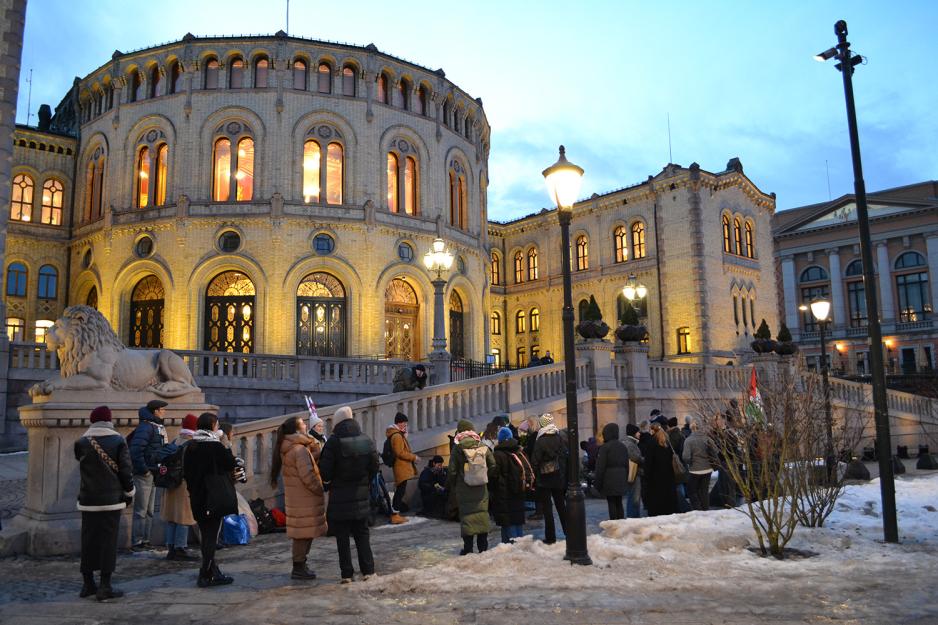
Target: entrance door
146, 313
457, 338
400, 321
229, 313
908, 360
320, 316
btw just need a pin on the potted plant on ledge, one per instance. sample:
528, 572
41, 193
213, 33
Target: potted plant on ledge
763, 343
630, 330
784, 345
592, 325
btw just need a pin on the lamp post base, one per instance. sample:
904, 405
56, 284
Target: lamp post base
576, 526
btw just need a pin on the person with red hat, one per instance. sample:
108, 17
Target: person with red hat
105, 489
176, 510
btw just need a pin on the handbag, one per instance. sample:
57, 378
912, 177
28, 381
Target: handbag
633, 471
550, 467
677, 466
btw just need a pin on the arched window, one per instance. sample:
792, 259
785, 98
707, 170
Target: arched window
348, 81
324, 78
146, 313
236, 73
519, 322
909, 260
809, 292
456, 120
423, 95
532, 263
321, 312
638, 240
92, 298
261, 69
142, 177
535, 320
458, 198
813, 274
156, 77
496, 269
402, 95
393, 192
620, 241
403, 179
383, 88
52, 194
229, 314
162, 154
299, 74
738, 236
727, 241
94, 185
136, 86
16, 280
211, 74
21, 204
175, 73
150, 175
410, 186
496, 355
447, 109
315, 179
912, 288
496, 323
233, 170
48, 282
582, 253
519, 267
855, 268
750, 246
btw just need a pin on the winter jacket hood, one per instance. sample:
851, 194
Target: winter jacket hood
303, 495
148, 438
610, 432
145, 415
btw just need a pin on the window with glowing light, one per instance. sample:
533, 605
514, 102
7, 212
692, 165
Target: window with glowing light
582, 253
348, 81
496, 269
143, 177
727, 239
324, 78
233, 164
383, 88
638, 240
52, 195
403, 179
519, 267
750, 244
535, 317
299, 75
496, 323
532, 264
621, 244
261, 72
520, 319
738, 236
683, 340
21, 204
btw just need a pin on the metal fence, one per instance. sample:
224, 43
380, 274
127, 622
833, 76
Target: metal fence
463, 369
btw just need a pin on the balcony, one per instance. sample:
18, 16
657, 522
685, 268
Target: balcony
909, 326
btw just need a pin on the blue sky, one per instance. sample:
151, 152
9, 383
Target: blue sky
736, 78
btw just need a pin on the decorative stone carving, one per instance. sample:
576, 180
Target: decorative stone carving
93, 358
369, 212
276, 204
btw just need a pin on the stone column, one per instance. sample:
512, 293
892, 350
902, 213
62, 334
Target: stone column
439, 357
790, 294
837, 289
602, 382
637, 382
886, 305
931, 241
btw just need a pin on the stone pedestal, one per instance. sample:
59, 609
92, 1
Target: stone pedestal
602, 381
49, 522
632, 361
440, 359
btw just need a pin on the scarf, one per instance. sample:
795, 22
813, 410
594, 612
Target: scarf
185, 432
467, 434
101, 428
207, 436
548, 429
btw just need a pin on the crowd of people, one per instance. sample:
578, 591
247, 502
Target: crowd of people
330, 483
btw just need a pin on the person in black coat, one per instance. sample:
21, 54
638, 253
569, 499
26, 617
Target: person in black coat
659, 474
612, 471
347, 464
509, 486
550, 468
208, 467
106, 487
433, 491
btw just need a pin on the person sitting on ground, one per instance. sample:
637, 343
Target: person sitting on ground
433, 490
410, 378
105, 488
405, 465
511, 481
612, 471
175, 509
469, 488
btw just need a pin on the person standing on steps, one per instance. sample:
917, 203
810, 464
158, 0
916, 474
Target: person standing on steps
147, 439
405, 464
106, 487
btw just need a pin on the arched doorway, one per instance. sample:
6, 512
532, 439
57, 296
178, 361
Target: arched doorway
400, 321
92, 299
229, 313
457, 339
320, 316
146, 313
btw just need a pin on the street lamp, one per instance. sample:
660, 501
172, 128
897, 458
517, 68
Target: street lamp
846, 61
563, 183
821, 309
438, 260
633, 289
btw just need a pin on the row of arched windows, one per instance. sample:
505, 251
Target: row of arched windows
523, 272
23, 200
523, 321
744, 308
738, 238
18, 277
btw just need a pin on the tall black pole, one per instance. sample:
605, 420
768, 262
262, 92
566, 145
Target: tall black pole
887, 484
576, 505
830, 460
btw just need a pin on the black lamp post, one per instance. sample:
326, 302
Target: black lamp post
846, 62
563, 183
821, 309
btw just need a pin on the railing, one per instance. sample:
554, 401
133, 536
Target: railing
676, 375
33, 356
924, 324
463, 369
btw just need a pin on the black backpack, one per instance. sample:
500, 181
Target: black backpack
169, 471
265, 521
387, 452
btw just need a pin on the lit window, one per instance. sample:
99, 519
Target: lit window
48, 282
42, 327
496, 269
496, 356
410, 186
638, 240
620, 241
519, 322
162, 153
402, 184
348, 81
16, 328
750, 249
211, 74
245, 173
236, 74
738, 236
21, 205
496, 323
312, 161
334, 164
52, 193
582, 253
324, 82
727, 242
261, 68
299, 75
683, 340
535, 320
16, 280
221, 180
532, 263
143, 177
521, 357
393, 195
519, 268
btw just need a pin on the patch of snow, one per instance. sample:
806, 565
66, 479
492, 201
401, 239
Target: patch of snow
411, 521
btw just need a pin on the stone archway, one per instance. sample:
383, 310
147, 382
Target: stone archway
321, 316
401, 310
229, 313
457, 332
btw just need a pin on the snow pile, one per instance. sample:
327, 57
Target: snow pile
690, 550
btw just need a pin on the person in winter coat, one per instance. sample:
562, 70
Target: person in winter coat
347, 464
317, 429
659, 474
295, 455
175, 509
410, 378
147, 439
433, 490
405, 463
612, 471
633, 497
208, 466
512, 475
105, 489
550, 469
645, 443
700, 457
490, 435
472, 499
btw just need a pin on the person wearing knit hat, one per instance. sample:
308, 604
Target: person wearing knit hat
504, 434
464, 425
189, 423
513, 478
106, 486
550, 468
545, 420
176, 511
342, 413
317, 429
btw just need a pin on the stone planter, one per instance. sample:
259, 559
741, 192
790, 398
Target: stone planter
593, 329
786, 348
763, 346
627, 333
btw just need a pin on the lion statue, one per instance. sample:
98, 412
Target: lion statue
92, 358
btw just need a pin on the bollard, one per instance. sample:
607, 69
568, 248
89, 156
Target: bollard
902, 451
856, 470
927, 462
897, 467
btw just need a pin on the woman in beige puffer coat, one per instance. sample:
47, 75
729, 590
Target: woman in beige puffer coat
303, 494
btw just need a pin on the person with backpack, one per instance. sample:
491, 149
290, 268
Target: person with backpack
106, 487
295, 455
146, 442
612, 471
347, 464
550, 468
471, 465
396, 453
175, 509
513, 478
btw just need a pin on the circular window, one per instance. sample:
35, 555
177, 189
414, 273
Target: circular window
86, 259
229, 242
143, 247
460, 265
405, 252
323, 244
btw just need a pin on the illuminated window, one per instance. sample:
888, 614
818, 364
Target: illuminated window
236, 74
211, 74
727, 242
402, 172
312, 169
261, 69
410, 186
221, 180
233, 169
16, 280
299, 75
496, 269
620, 241
21, 204
334, 165
244, 177
496, 323
519, 268
324, 78
519, 322
16, 329
683, 340
383, 88
738, 236
162, 153
750, 249
142, 177
532, 263
521, 357
582, 253
48, 282
348, 81
496, 356
52, 194
638, 240
393, 193
535, 319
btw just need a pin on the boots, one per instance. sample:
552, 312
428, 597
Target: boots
88, 587
212, 576
183, 555
105, 591
170, 552
482, 540
466, 546
301, 572
397, 519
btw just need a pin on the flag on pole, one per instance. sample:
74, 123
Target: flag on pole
754, 407
312, 409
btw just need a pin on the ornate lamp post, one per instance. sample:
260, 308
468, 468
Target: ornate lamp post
846, 61
633, 289
821, 309
439, 260
563, 184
